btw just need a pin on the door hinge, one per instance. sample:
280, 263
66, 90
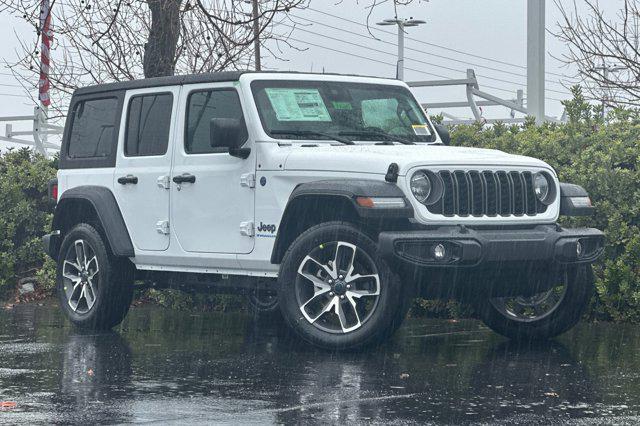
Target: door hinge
163, 182
246, 229
248, 180
162, 227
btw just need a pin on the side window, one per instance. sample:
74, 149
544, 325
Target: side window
148, 123
202, 106
93, 128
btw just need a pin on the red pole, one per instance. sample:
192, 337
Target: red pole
46, 33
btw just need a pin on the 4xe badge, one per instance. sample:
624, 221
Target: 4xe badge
266, 228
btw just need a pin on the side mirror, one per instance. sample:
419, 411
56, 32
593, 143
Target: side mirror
443, 132
229, 133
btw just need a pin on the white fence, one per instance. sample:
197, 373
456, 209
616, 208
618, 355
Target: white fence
472, 91
39, 132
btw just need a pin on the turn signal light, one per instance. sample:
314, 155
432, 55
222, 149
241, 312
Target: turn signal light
381, 202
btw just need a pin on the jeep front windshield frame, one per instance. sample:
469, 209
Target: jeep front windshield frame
307, 109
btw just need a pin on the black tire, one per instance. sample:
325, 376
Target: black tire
111, 284
381, 319
579, 289
263, 306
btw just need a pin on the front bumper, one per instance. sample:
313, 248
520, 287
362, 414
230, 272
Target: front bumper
459, 246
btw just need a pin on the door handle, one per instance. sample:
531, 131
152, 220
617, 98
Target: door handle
184, 178
124, 180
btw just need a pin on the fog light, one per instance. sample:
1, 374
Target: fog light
439, 252
579, 249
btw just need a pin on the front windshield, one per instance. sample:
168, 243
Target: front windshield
358, 111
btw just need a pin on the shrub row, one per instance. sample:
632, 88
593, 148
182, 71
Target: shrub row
25, 215
603, 156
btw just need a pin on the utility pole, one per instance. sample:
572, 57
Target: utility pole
401, 23
256, 34
535, 59
606, 69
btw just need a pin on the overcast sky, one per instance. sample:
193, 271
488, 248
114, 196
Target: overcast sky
492, 29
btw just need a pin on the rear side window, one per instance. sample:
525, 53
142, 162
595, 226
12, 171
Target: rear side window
148, 123
202, 106
93, 130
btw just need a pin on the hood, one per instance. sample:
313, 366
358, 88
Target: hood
376, 158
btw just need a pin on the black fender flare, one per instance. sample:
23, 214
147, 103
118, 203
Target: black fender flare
103, 202
346, 191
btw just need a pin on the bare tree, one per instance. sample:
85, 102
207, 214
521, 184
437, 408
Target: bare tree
117, 40
604, 50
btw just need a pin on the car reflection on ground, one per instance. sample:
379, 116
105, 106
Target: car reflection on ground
177, 367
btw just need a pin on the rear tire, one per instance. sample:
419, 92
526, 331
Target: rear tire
94, 287
335, 291
263, 305
516, 318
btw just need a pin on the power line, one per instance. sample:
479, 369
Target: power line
14, 95
386, 63
421, 51
369, 49
432, 44
411, 59
394, 65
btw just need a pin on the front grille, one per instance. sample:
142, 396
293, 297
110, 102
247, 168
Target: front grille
487, 193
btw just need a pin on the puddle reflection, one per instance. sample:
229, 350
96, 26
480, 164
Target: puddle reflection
175, 367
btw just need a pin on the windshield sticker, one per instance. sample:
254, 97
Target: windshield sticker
421, 129
298, 104
341, 105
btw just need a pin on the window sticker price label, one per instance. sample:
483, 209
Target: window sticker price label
298, 104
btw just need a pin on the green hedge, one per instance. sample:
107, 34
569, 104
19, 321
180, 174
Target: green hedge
602, 157
25, 215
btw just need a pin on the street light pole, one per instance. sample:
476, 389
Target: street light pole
401, 24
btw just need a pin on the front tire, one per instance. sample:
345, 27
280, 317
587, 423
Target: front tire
544, 315
335, 290
94, 287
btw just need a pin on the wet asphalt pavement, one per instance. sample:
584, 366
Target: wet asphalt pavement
171, 367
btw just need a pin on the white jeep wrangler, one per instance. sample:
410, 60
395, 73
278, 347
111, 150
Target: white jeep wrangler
332, 199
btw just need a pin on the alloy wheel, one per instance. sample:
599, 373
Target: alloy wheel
337, 287
80, 274
535, 307
262, 300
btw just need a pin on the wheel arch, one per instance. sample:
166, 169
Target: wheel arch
316, 202
97, 205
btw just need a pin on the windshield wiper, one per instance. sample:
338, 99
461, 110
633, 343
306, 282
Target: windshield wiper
312, 133
386, 136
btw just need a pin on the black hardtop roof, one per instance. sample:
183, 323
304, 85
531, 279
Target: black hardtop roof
174, 80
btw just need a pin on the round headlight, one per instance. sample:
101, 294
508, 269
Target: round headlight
420, 186
541, 186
